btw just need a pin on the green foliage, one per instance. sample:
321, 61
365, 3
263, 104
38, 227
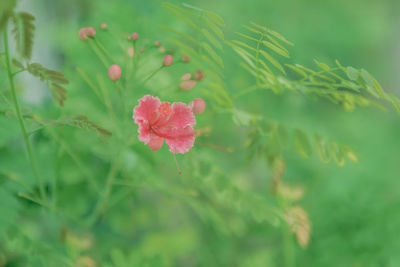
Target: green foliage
345, 86
23, 32
117, 203
205, 43
271, 139
55, 80
9, 206
6, 10
79, 121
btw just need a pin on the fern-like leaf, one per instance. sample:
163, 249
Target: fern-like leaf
56, 81
6, 10
17, 63
349, 87
79, 121
270, 138
205, 43
23, 32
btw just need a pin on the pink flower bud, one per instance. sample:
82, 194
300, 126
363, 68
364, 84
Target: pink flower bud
135, 36
157, 43
83, 34
198, 75
131, 51
186, 76
103, 26
114, 73
185, 59
197, 105
90, 32
187, 85
168, 60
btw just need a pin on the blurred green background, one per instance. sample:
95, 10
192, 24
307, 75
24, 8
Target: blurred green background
354, 210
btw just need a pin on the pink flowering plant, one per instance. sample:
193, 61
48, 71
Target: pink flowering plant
161, 121
96, 161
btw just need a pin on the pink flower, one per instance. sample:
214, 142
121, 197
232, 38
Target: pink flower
160, 121
114, 73
168, 60
197, 105
157, 43
103, 26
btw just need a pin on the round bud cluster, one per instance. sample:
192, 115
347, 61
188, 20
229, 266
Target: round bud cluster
189, 80
114, 72
103, 26
187, 84
168, 60
199, 75
82, 34
197, 105
185, 59
85, 33
91, 32
134, 36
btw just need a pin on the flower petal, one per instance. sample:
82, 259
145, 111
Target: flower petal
182, 141
156, 142
146, 109
181, 116
144, 132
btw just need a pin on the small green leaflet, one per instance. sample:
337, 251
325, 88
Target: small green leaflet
302, 143
23, 32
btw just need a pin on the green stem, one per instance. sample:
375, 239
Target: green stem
109, 106
5, 98
101, 205
21, 120
98, 54
90, 83
105, 51
119, 90
69, 151
134, 56
35, 130
19, 71
152, 74
249, 90
57, 171
109, 183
